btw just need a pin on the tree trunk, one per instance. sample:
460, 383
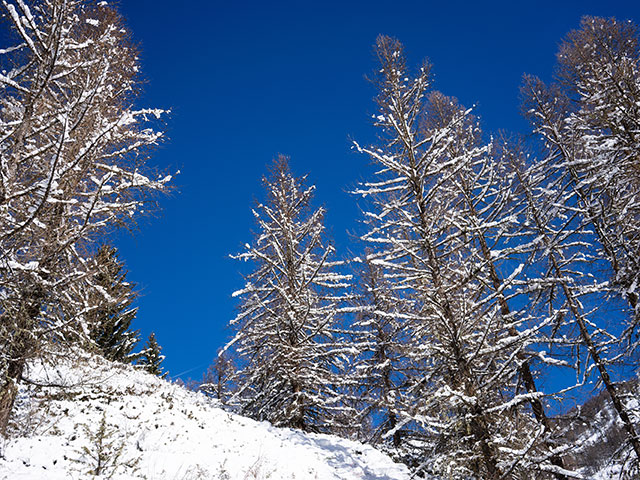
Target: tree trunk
9, 391
22, 346
585, 336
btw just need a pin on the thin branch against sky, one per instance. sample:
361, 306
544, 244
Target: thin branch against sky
246, 82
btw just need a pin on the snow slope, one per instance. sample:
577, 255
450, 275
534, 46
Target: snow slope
159, 431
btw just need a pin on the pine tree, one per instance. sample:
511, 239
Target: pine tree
110, 320
151, 358
287, 340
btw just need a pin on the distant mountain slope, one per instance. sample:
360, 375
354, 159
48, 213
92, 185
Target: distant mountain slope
601, 451
87, 415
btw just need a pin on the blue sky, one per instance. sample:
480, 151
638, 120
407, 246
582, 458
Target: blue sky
248, 80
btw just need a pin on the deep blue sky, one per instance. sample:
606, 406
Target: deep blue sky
248, 80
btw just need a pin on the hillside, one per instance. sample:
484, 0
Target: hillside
601, 451
77, 414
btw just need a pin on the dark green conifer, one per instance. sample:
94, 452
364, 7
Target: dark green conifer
110, 321
151, 357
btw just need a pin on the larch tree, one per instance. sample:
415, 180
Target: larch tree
588, 120
379, 375
566, 289
73, 151
216, 381
599, 72
288, 344
467, 350
491, 210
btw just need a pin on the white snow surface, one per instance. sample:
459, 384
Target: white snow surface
168, 432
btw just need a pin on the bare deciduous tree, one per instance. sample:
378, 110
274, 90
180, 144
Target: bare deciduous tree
588, 121
287, 340
439, 217
72, 164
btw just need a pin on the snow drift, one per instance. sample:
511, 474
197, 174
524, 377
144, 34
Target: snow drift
91, 418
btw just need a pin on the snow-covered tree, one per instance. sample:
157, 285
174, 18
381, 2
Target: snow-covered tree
379, 377
216, 381
565, 285
109, 321
437, 222
151, 358
588, 121
599, 70
491, 209
72, 164
287, 339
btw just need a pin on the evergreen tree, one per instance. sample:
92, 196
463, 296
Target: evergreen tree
151, 357
110, 320
287, 340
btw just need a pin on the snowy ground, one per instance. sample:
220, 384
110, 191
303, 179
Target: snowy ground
159, 431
